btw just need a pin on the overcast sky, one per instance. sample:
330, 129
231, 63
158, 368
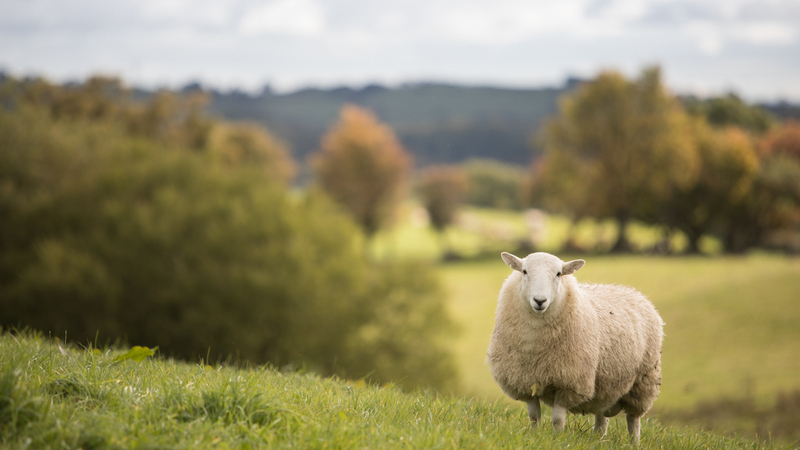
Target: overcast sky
704, 46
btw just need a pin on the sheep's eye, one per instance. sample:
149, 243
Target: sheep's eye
558, 274
524, 272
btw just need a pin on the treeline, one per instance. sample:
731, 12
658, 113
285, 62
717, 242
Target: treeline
151, 222
629, 150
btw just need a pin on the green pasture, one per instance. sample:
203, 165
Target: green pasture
61, 397
732, 323
481, 231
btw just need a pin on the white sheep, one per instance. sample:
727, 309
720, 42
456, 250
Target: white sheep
577, 347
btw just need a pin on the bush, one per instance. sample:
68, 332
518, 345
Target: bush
442, 190
105, 235
404, 337
493, 184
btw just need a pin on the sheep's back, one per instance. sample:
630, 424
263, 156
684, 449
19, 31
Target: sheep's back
630, 332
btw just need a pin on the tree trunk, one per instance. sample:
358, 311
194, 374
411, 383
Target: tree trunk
622, 245
693, 245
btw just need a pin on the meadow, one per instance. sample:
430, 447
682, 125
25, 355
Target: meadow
58, 396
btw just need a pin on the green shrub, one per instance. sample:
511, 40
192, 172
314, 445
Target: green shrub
403, 338
494, 184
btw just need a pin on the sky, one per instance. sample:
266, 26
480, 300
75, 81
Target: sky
704, 47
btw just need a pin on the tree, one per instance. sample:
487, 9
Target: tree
728, 168
730, 110
363, 167
442, 189
771, 212
784, 140
624, 144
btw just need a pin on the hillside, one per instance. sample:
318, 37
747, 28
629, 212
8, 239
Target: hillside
436, 122
55, 397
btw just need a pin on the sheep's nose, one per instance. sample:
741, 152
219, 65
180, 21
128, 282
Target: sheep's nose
539, 300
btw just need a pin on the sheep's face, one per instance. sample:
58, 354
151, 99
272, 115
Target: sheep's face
541, 279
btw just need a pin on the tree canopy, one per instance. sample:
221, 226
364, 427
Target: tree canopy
363, 167
620, 144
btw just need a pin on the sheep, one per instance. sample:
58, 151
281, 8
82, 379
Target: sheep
577, 347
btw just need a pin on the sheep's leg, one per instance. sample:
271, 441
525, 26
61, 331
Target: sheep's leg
634, 425
559, 416
534, 410
600, 424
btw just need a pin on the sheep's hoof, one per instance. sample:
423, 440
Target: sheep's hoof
559, 416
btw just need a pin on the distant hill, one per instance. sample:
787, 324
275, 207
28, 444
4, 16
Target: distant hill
437, 123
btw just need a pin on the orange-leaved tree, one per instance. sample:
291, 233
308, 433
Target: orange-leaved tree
363, 167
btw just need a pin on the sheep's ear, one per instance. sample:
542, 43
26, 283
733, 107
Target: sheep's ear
572, 267
512, 261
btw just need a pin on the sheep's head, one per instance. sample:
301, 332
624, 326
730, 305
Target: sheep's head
541, 279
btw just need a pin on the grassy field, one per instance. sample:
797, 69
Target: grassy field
53, 397
731, 322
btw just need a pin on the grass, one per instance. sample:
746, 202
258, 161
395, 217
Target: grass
54, 397
481, 231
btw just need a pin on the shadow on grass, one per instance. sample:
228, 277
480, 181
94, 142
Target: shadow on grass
744, 416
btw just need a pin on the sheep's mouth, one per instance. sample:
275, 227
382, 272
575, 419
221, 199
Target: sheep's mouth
539, 309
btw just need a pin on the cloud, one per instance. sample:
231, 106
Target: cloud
754, 43
303, 18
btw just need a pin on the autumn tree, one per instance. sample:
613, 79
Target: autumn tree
784, 140
362, 165
771, 212
728, 169
442, 190
622, 144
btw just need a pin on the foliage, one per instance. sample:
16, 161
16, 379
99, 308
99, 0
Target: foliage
363, 167
247, 144
494, 184
110, 234
728, 169
442, 189
625, 141
770, 213
784, 140
730, 110
167, 404
626, 150
408, 332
